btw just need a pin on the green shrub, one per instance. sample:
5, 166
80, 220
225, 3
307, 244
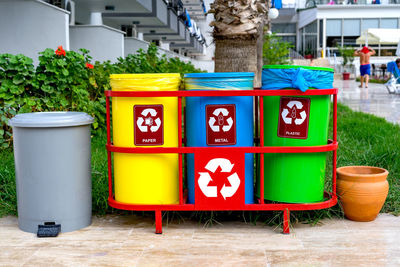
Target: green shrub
143, 62
347, 52
17, 86
151, 62
66, 81
175, 65
275, 50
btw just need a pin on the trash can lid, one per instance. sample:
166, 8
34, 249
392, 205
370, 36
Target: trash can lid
145, 82
51, 119
219, 75
298, 66
145, 76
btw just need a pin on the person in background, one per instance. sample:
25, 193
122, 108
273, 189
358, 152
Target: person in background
365, 67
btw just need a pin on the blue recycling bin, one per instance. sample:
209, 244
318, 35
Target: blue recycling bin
220, 121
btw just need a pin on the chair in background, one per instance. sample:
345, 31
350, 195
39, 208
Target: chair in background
393, 85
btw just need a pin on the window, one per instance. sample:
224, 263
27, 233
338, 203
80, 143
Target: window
334, 27
289, 39
351, 27
284, 28
389, 23
311, 28
334, 41
127, 29
350, 41
321, 29
286, 31
369, 24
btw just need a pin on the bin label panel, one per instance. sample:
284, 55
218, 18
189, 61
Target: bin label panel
221, 125
294, 114
219, 180
148, 123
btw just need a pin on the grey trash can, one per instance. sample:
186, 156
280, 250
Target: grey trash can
52, 169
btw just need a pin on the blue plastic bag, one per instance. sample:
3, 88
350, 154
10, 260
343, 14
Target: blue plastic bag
297, 78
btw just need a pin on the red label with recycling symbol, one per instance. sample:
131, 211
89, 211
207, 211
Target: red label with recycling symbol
221, 125
294, 113
219, 180
148, 125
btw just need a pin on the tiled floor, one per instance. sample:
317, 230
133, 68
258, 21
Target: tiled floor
375, 99
130, 241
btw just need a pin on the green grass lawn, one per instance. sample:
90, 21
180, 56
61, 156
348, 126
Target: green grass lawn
372, 80
363, 140
368, 140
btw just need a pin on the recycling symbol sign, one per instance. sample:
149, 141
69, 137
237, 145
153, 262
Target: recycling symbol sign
205, 178
294, 105
221, 124
144, 123
222, 115
219, 179
294, 116
148, 125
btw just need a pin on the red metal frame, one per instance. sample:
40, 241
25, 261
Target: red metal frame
182, 206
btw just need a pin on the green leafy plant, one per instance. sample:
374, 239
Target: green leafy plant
151, 61
308, 51
17, 85
143, 62
276, 51
66, 81
175, 65
347, 52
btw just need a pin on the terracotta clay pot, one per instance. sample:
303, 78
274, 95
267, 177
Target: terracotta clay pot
346, 75
362, 191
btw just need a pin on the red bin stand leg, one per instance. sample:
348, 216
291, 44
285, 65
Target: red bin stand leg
158, 222
286, 221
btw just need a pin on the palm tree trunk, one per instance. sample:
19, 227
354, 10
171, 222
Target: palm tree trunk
238, 36
239, 55
260, 59
235, 54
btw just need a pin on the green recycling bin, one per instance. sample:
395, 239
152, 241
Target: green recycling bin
295, 121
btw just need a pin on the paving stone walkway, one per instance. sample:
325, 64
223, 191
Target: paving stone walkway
130, 241
374, 100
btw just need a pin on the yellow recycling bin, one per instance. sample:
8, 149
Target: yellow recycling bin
145, 122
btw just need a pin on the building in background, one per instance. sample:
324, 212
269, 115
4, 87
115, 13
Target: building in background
317, 27
108, 28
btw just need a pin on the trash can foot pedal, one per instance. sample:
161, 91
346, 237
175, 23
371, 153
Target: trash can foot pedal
48, 229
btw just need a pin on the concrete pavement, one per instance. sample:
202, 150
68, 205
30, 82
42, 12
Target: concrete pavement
374, 100
130, 241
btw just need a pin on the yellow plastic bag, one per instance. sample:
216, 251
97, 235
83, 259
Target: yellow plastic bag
145, 178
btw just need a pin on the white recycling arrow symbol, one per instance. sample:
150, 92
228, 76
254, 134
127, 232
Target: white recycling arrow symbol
220, 113
205, 178
142, 128
152, 112
148, 121
228, 191
225, 165
214, 128
224, 112
208, 191
294, 105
